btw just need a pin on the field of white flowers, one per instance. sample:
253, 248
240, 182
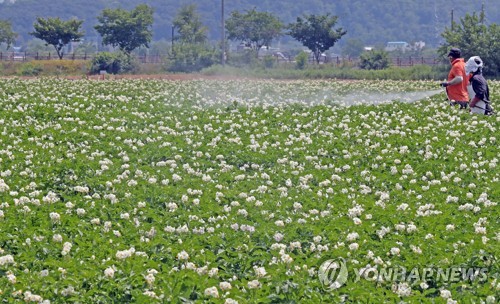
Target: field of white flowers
151, 191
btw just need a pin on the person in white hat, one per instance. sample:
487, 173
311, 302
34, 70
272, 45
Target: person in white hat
480, 102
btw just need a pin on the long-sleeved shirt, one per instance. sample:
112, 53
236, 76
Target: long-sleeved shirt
480, 87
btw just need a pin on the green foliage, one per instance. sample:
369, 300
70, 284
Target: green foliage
126, 29
189, 26
57, 32
474, 38
153, 191
374, 60
255, 29
316, 32
372, 21
191, 57
47, 68
113, 63
30, 69
7, 36
417, 72
301, 60
191, 52
102, 61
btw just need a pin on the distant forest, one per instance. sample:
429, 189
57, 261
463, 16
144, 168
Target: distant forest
373, 22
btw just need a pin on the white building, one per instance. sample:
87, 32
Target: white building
397, 46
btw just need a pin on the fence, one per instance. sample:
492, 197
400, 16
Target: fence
24, 56
396, 61
162, 58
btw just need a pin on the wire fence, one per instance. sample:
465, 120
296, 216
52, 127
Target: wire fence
399, 61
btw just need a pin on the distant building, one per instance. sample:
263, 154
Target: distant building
397, 46
242, 47
419, 45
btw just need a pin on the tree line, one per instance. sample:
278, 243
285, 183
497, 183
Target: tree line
373, 22
130, 29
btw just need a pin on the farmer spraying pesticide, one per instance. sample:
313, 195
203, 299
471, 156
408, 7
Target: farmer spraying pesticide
480, 93
456, 86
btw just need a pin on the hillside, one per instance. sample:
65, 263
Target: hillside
373, 22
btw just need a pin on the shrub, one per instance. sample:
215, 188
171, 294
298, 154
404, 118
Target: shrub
62, 67
113, 63
301, 60
374, 60
30, 69
191, 58
101, 62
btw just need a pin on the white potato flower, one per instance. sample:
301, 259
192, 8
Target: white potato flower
212, 292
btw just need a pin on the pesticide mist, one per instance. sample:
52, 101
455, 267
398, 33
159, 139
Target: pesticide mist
360, 98
311, 93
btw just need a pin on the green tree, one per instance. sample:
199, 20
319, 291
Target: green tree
474, 38
191, 53
113, 63
7, 36
189, 26
126, 29
374, 60
316, 32
191, 57
57, 32
254, 29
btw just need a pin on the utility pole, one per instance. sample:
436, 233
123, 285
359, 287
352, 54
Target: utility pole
173, 38
482, 13
223, 36
452, 22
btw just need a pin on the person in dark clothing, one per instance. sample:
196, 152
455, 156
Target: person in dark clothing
480, 102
